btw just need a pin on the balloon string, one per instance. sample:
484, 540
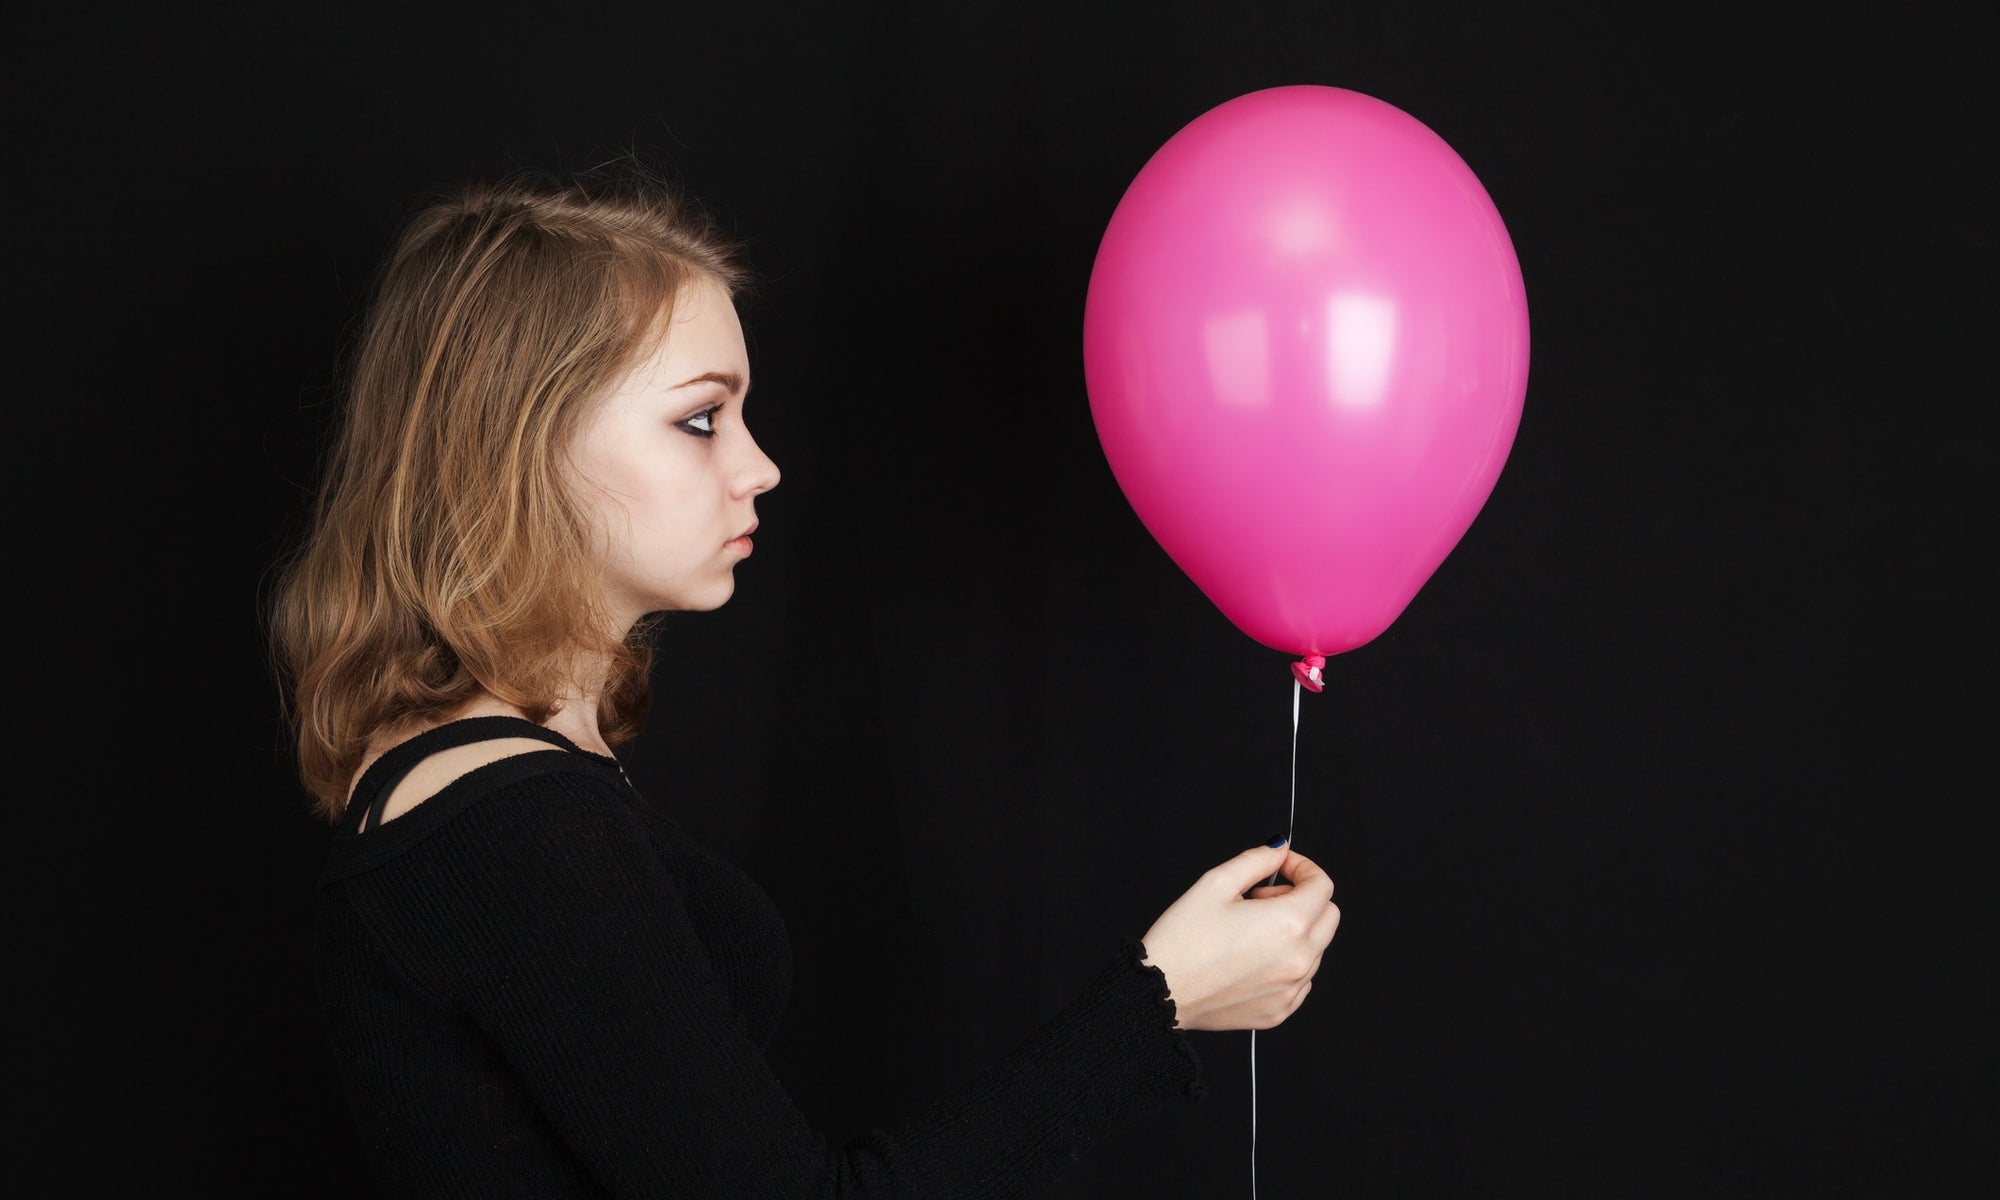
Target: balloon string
1291, 826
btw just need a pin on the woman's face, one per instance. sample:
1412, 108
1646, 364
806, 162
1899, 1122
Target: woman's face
668, 468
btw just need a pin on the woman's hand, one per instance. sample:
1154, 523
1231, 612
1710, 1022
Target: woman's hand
1237, 962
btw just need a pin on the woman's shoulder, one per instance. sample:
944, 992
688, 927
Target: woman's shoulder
440, 768
412, 762
490, 795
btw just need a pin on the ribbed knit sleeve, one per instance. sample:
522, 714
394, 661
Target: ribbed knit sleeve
542, 914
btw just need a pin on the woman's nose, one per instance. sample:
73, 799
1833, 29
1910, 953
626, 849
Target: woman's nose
761, 473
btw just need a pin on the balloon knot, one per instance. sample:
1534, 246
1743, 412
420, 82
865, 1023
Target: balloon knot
1306, 671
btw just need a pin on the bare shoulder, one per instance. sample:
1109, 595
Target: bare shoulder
430, 776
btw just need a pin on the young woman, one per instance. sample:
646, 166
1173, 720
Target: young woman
535, 983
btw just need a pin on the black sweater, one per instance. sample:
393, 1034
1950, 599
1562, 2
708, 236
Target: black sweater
537, 984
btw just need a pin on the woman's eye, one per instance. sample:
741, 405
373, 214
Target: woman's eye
702, 424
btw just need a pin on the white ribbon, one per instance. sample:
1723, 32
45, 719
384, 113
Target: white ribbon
1291, 826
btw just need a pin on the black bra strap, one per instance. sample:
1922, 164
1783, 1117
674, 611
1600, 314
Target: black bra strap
372, 793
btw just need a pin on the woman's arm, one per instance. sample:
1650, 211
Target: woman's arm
546, 915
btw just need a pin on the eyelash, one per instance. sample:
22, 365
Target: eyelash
701, 433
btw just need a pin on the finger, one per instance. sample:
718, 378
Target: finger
1246, 870
1325, 925
1274, 889
1307, 877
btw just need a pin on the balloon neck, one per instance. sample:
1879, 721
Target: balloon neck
1307, 672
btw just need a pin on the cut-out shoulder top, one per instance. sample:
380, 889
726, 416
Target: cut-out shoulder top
537, 984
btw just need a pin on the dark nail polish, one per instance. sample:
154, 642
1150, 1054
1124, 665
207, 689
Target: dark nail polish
1277, 840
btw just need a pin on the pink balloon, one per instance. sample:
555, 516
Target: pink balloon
1306, 347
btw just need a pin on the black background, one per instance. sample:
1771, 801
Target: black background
1656, 819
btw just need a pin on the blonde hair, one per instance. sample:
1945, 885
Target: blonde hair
445, 553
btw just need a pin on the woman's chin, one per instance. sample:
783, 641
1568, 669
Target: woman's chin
714, 598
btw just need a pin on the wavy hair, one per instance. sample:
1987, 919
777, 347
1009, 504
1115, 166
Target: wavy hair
445, 553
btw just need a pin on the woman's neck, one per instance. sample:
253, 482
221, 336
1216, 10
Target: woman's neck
576, 719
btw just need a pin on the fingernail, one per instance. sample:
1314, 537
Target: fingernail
1277, 840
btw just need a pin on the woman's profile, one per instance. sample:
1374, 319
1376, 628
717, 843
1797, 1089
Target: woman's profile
535, 982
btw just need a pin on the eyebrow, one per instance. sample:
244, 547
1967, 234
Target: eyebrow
728, 379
